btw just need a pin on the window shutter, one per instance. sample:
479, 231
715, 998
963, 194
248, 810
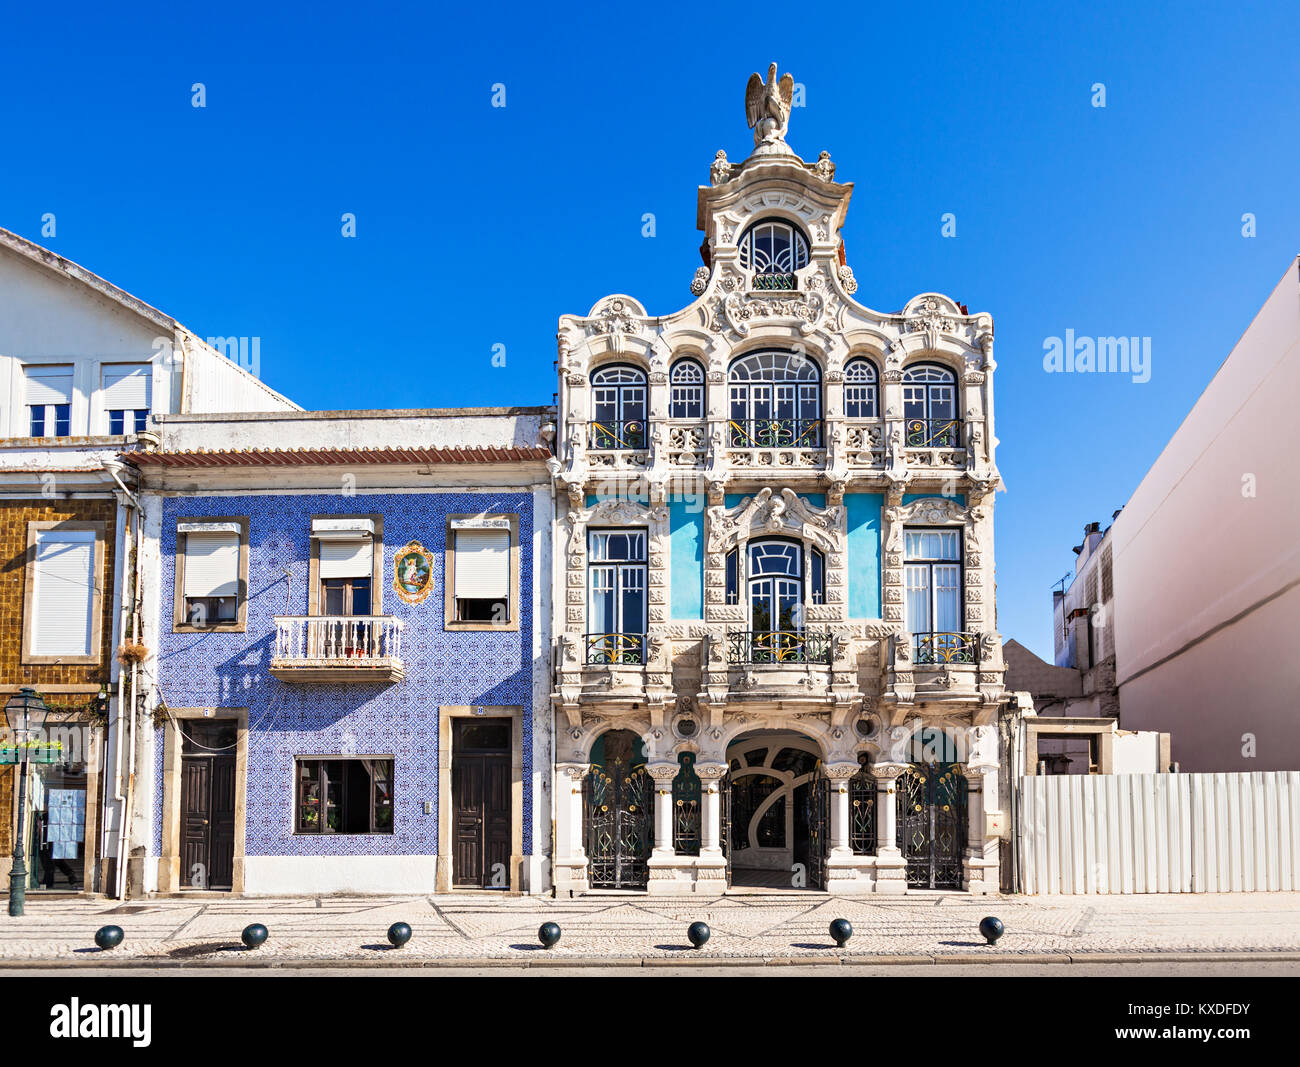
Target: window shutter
126, 387
211, 564
62, 593
346, 559
482, 570
48, 385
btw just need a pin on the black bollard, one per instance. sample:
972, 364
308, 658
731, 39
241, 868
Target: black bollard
697, 934
107, 937
991, 928
254, 935
548, 934
841, 931
399, 934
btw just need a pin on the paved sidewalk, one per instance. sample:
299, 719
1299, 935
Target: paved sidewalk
613, 929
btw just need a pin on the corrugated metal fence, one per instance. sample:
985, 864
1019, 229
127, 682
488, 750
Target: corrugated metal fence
1161, 833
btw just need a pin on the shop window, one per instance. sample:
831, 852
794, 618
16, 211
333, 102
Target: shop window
344, 796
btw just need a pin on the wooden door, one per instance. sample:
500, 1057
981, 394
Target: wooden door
207, 843
480, 794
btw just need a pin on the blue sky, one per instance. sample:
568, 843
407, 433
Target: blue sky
479, 226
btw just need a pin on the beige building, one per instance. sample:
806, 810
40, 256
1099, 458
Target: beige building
1207, 564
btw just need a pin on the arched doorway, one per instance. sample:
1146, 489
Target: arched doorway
776, 824
618, 812
932, 819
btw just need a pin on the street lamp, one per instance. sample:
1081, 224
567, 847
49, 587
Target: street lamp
25, 713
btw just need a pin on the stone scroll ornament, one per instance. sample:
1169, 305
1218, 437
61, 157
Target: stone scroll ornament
413, 573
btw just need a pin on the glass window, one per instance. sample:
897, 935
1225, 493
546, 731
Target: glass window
616, 599
618, 408
686, 397
933, 578
930, 407
344, 796
773, 247
860, 389
775, 401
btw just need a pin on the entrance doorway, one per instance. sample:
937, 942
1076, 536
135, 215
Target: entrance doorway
932, 820
776, 825
208, 803
618, 811
480, 790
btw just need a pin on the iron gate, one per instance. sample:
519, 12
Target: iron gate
619, 811
818, 801
932, 824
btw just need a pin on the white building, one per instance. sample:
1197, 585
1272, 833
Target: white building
777, 660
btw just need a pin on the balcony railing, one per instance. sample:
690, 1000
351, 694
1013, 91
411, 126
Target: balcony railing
932, 433
617, 650
776, 282
778, 647
775, 433
942, 648
338, 647
617, 435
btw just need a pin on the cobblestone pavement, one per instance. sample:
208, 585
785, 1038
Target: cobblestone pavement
610, 928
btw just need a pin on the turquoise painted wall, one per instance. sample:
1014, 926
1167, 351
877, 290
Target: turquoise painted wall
686, 560
862, 512
732, 499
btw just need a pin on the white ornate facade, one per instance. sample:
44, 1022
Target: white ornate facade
775, 442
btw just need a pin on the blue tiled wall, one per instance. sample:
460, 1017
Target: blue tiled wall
285, 720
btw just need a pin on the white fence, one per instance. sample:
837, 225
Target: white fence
1160, 833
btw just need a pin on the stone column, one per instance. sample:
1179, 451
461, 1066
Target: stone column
891, 870
980, 863
839, 775
570, 855
711, 867
663, 775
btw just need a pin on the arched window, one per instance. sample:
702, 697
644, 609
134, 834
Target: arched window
776, 590
930, 407
860, 390
618, 407
773, 250
686, 390
776, 401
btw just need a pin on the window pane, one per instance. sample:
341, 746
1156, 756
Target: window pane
332, 821
141, 420
309, 797
947, 598
38, 420
918, 598
62, 420
360, 596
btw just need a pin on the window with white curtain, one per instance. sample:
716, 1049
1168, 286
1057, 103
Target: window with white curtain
48, 390
61, 618
126, 392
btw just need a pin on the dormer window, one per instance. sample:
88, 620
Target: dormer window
773, 250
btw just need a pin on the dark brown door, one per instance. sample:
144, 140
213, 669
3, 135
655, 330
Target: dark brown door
480, 795
207, 804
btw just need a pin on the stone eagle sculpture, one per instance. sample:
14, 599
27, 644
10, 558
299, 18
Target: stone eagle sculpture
767, 105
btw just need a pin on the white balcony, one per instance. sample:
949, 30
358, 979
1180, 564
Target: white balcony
338, 648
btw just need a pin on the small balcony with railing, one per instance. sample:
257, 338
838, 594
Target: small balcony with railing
934, 443
614, 650
782, 443
338, 648
778, 648
618, 444
943, 666
778, 667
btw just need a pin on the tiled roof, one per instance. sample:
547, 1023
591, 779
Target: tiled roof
333, 457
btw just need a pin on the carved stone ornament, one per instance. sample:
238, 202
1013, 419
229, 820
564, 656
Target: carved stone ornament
742, 312
847, 280
701, 280
824, 168
720, 169
766, 513
931, 315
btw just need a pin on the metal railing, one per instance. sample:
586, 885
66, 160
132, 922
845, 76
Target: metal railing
779, 646
776, 282
941, 648
350, 639
774, 433
615, 649
932, 433
617, 435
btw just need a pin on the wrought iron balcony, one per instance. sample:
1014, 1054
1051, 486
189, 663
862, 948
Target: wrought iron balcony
932, 433
775, 433
776, 282
338, 648
939, 649
778, 647
615, 650
611, 436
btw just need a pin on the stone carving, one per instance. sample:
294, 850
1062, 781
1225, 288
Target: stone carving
720, 170
847, 280
740, 313
701, 280
824, 168
767, 106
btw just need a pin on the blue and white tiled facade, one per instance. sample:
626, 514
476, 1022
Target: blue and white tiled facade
230, 670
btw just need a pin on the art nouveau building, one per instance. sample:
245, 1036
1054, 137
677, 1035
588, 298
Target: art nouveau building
776, 655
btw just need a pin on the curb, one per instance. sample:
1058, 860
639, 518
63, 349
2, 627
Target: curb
652, 962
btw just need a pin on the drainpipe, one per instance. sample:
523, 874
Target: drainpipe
113, 467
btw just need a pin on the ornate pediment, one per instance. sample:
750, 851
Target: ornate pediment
767, 514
